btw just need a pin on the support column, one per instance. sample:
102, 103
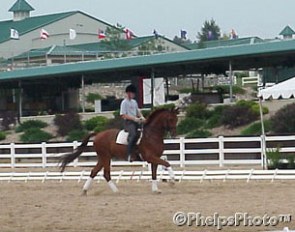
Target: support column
83, 93
231, 81
20, 99
152, 87
167, 89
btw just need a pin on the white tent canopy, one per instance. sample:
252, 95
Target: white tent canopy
285, 89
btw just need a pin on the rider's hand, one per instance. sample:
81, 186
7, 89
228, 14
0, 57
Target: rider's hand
137, 120
142, 119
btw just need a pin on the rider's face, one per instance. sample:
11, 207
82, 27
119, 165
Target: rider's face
130, 95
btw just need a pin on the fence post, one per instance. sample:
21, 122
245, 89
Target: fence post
263, 151
221, 152
75, 145
182, 151
44, 158
12, 153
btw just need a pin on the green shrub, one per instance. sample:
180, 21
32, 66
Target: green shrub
284, 121
254, 106
273, 158
67, 123
2, 135
165, 106
35, 135
237, 115
188, 124
96, 123
215, 116
199, 133
92, 97
30, 124
76, 135
197, 110
255, 128
224, 89
213, 121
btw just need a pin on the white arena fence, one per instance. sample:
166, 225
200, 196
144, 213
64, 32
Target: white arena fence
205, 175
182, 152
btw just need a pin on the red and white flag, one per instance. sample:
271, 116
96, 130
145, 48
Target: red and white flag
101, 34
128, 34
44, 34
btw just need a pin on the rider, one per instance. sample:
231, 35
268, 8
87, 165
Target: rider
132, 118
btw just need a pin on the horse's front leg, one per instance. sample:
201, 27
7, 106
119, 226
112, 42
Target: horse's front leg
158, 161
154, 178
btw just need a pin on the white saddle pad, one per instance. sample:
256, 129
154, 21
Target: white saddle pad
122, 138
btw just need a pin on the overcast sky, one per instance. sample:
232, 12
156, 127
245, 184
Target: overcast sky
263, 18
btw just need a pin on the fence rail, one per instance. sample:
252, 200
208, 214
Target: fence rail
205, 175
250, 80
219, 151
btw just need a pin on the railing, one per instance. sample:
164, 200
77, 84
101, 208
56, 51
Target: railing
205, 175
250, 80
219, 151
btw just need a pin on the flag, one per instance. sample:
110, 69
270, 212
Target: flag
101, 34
183, 34
210, 35
233, 34
128, 34
73, 34
44, 34
156, 34
14, 34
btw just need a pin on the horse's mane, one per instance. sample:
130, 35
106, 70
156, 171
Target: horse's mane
153, 115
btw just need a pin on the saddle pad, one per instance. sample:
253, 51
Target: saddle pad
122, 138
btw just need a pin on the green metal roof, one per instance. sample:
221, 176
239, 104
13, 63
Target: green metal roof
32, 23
230, 42
87, 49
287, 31
21, 5
52, 51
29, 24
239, 54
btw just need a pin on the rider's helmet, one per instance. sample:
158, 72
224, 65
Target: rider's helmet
130, 88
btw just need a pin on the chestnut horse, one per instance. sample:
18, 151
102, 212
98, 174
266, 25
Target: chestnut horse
151, 148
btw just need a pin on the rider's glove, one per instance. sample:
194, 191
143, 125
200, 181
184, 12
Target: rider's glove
137, 120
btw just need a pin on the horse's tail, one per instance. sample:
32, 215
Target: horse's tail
70, 157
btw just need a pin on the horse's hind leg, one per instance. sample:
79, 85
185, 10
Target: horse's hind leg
107, 175
93, 174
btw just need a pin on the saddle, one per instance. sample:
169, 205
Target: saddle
122, 138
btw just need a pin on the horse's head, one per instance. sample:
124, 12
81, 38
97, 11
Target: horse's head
171, 121
164, 119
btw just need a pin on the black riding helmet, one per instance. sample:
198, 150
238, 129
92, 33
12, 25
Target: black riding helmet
130, 88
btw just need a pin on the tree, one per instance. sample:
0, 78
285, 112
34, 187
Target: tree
181, 41
115, 45
210, 31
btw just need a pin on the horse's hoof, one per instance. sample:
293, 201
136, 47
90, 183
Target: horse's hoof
84, 193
